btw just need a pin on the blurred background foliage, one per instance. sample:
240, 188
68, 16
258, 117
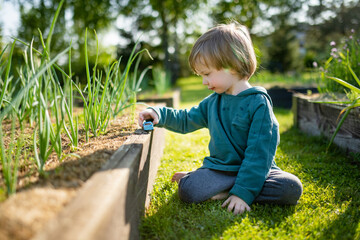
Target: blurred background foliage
289, 34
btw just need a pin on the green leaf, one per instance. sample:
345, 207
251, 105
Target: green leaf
48, 40
345, 84
25, 89
7, 79
354, 75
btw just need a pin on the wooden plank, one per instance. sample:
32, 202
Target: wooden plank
156, 151
294, 110
322, 119
111, 202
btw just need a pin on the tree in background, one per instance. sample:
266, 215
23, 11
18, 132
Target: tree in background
1, 41
76, 16
95, 15
35, 18
330, 21
280, 48
244, 11
161, 18
283, 51
170, 27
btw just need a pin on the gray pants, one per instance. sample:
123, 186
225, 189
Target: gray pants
279, 188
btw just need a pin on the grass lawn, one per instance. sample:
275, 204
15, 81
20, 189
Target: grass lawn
328, 209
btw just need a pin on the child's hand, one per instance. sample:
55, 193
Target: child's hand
236, 204
148, 114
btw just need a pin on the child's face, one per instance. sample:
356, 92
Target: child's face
219, 81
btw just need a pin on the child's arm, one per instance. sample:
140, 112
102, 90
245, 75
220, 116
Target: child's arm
180, 121
237, 204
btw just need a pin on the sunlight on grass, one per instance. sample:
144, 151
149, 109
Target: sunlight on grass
267, 79
328, 209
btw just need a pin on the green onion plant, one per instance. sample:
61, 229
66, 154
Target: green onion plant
353, 95
10, 156
120, 80
43, 98
134, 86
161, 80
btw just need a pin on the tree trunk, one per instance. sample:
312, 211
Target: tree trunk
164, 41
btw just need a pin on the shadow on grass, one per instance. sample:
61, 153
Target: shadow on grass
207, 220
327, 170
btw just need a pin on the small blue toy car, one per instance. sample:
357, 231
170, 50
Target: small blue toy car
148, 125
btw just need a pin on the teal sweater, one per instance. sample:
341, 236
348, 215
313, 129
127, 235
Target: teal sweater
244, 135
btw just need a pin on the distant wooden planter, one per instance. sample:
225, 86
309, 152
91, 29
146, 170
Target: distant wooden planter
321, 119
171, 100
282, 97
111, 202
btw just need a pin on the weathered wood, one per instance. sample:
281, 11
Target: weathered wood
322, 119
111, 202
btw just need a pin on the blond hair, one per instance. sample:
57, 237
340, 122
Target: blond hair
226, 46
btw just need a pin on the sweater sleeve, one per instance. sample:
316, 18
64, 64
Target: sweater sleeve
262, 142
184, 120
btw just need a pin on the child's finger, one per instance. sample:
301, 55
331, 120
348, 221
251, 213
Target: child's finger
238, 210
225, 203
140, 119
154, 117
231, 206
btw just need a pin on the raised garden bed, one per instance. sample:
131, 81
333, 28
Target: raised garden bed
111, 202
282, 97
321, 119
73, 201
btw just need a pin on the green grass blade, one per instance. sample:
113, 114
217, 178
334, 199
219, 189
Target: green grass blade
36, 154
28, 45
350, 107
52, 27
347, 110
346, 84
20, 144
353, 74
87, 69
2, 53
70, 84
142, 75
3, 153
6, 80
338, 128
332, 102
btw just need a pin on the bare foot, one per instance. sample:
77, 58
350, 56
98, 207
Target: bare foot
177, 176
220, 196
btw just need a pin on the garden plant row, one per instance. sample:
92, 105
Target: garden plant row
48, 140
42, 99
